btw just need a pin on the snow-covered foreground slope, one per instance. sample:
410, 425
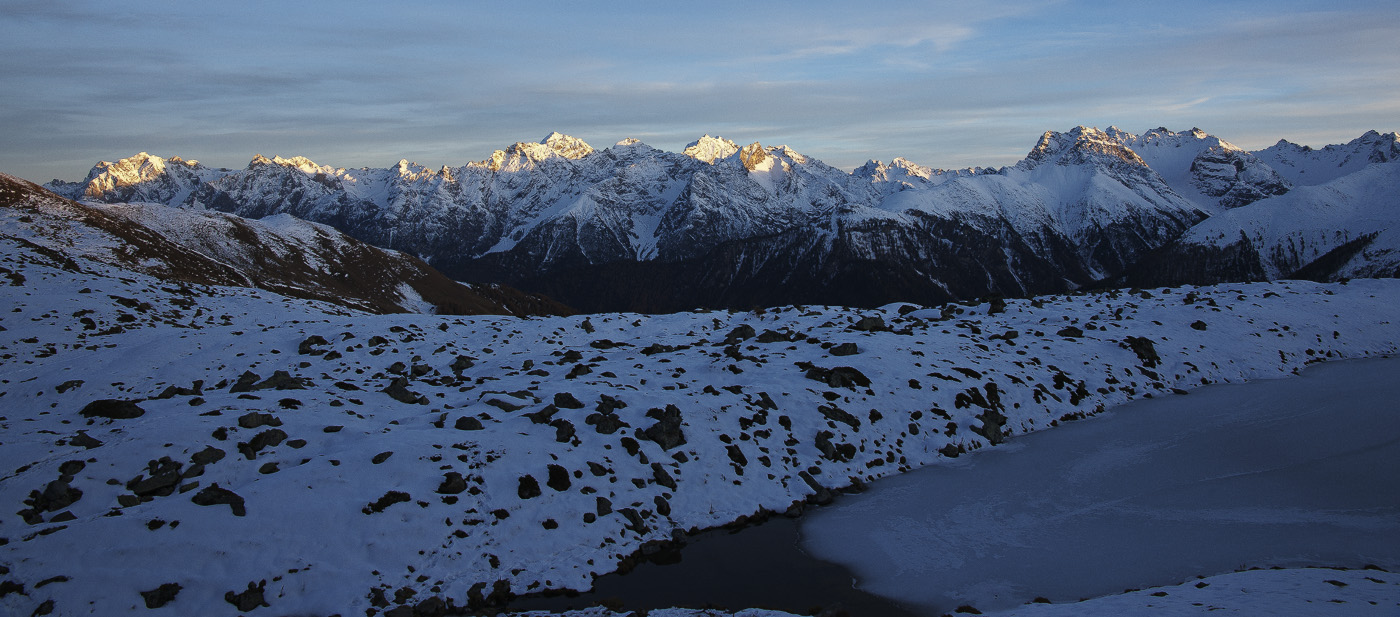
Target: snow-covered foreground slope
191, 441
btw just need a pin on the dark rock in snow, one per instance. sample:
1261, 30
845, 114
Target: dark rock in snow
254, 419
250, 599
207, 456
873, 323
468, 423
741, 333
398, 390
566, 400
310, 345
213, 495
388, 499
529, 487
265, 439
558, 478
452, 484
1142, 346
83, 440
845, 349
667, 430
160, 596
1070, 332
113, 409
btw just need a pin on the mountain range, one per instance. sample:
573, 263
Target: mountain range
721, 225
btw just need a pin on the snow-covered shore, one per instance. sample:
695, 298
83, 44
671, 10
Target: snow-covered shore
349, 461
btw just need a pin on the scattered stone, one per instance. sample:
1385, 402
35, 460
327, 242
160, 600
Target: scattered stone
1070, 332
311, 344
268, 438
468, 423
208, 456
452, 484
68, 385
529, 487
381, 457
659, 474
250, 599
1142, 346
558, 478
213, 495
845, 349
565, 400
255, 419
667, 430
160, 596
741, 333
873, 323
388, 499
113, 409
83, 440
398, 390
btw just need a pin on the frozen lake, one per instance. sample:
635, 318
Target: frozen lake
1293, 472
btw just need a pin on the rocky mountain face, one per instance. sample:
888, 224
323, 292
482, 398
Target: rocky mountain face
282, 254
1335, 222
631, 227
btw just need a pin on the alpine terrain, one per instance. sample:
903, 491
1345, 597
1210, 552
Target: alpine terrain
719, 225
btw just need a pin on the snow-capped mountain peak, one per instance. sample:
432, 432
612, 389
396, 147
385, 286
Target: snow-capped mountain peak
753, 156
1078, 146
1312, 166
710, 149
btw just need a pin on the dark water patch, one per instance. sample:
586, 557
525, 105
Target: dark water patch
760, 566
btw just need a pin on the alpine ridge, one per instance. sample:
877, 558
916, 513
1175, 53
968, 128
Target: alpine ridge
722, 225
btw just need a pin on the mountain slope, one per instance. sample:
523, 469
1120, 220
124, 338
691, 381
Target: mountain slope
631, 227
751, 224
280, 254
1348, 227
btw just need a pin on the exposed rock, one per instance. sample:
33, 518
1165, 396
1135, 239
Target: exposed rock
452, 484
160, 596
83, 440
254, 419
529, 487
268, 438
468, 423
113, 409
667, 430
845, 349
213, 495
398, 390
249, 599
1142, 346
558, 478
387, 499
566, 400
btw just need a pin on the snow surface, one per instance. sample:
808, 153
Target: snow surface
768, 417
305, 532
1268, 473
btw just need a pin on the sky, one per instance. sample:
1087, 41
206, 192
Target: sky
943, 84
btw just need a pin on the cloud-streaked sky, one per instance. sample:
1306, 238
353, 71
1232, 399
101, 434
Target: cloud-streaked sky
944, 84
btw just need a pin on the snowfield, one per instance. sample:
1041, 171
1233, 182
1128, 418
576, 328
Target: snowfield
213, 450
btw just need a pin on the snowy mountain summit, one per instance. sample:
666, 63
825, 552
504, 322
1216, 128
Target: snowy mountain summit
723, 225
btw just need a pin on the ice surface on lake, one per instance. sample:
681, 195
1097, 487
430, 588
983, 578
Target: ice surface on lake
1291, 472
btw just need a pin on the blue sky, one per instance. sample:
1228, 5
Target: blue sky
944, 84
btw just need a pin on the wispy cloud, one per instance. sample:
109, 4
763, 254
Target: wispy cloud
942, 83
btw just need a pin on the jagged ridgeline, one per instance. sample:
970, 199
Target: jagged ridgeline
718, 225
